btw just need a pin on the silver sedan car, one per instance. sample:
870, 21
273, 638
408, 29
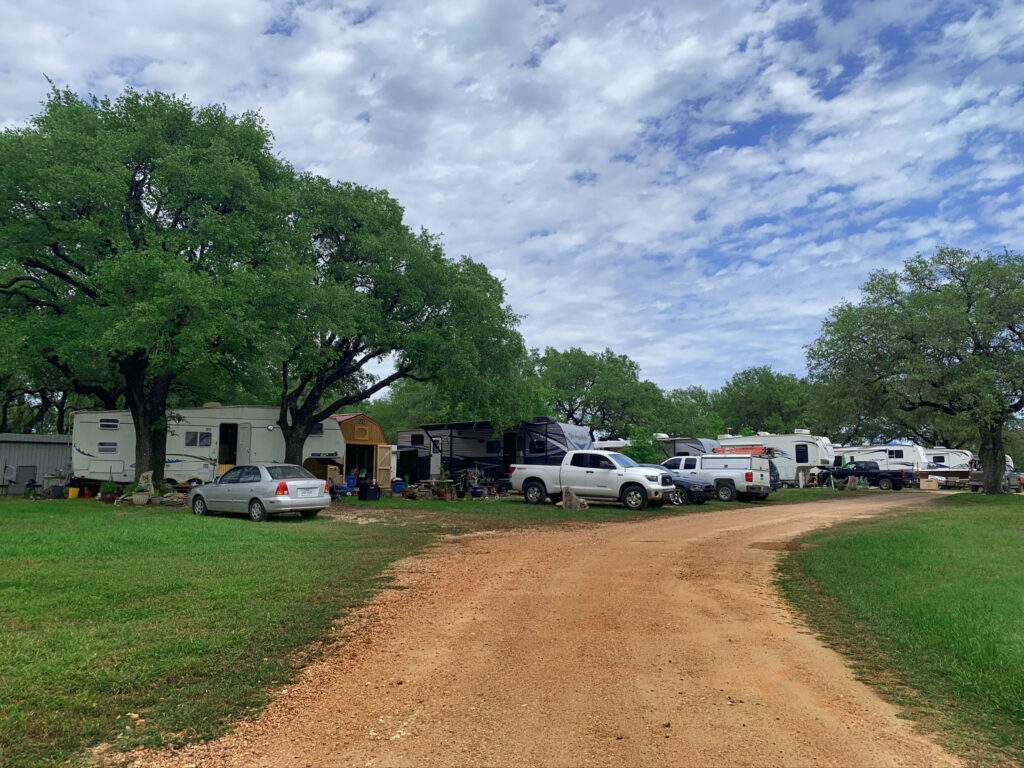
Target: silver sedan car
262, 490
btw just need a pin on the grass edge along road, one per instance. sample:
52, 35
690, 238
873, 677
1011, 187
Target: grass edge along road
188, 623
926, 606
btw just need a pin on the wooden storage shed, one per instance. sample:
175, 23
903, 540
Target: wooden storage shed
366, 446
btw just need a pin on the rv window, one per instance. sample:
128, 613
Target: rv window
493, 446
690, 463
672, 463
896, 454
938, 459
106, 447
538, 446
317, 429
108, 423
415, 439
204, 439
801, 453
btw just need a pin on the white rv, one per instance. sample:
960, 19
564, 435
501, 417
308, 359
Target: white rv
202, 443
890, 456
795, 455
941, 457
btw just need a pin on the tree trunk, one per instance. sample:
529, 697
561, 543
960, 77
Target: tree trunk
62, 413
146, 399
295, 435
993, 457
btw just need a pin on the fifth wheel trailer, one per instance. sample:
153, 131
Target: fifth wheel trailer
795, 455
202, 443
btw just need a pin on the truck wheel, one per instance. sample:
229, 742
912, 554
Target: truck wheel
634, 497
726, 492
534, 492
885, 484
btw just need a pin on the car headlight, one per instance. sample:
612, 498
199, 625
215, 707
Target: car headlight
651, 478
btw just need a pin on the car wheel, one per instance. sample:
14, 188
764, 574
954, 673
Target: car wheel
310, 512
534, 492
726, 492
634, 497
885, 484
257, 512
199, 506
679, 498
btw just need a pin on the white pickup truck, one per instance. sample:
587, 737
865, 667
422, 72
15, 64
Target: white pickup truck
599, 475
735, 476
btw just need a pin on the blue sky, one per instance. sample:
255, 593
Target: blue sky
691, 183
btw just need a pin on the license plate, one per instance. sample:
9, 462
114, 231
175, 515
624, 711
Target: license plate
307, 491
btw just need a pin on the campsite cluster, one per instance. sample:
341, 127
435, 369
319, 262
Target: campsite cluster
350, 453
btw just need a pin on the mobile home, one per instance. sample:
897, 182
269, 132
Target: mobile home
429, 450
907, 456
796, 455
202, 443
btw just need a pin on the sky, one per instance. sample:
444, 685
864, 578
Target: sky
693, 184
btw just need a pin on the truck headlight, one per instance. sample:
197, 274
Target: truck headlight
652, 478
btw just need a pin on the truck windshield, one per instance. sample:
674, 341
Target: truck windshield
623, 461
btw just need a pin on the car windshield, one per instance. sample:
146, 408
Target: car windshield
623, 461
289, 472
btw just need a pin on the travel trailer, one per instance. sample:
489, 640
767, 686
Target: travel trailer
940, 457
202, 443
889, 456
427, 451
687, 446
796, 455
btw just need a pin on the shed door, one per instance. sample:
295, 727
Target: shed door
384, 466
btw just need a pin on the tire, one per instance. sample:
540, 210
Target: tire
884, 484
257, 512
726, 492
199, 507
634, 497
309, 513
534, 492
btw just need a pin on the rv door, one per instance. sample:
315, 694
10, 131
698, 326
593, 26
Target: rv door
244, 444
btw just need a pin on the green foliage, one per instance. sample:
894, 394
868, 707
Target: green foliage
759, 399
928, 606
600, 390
377, 294
108, 486
941, 336
135, 235
643, 447
691, 412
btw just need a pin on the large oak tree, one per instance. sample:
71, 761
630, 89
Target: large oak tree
133, 233
944, 335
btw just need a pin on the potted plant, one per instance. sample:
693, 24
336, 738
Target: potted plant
141, 497
108, 491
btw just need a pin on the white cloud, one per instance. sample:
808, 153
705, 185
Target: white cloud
629, 171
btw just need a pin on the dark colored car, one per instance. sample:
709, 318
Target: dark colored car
886, 479
690, 491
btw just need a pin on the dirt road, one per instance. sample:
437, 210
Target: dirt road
634, 644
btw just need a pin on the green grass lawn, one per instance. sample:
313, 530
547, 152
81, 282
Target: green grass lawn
182, 620
929, 605
187, 621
